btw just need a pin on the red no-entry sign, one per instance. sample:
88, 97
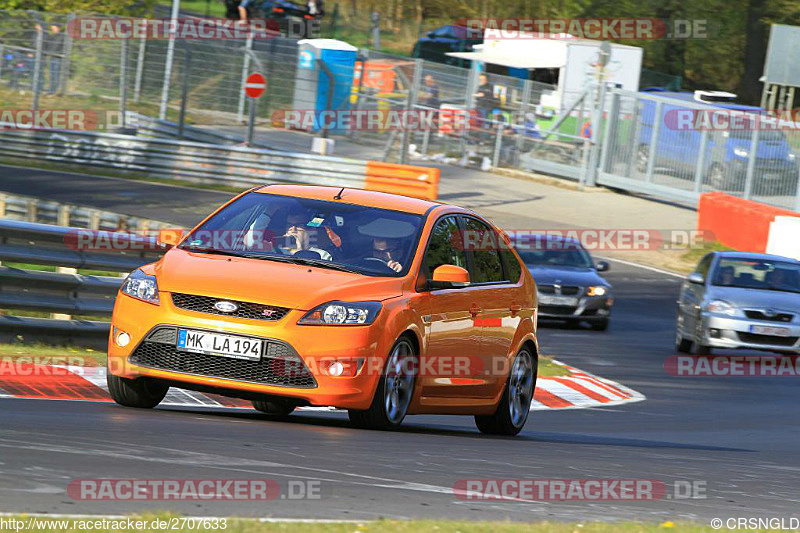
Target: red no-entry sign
255, 85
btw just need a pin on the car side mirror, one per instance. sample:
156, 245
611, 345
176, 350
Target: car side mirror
696, 278
602, 266
170, 237
449, 277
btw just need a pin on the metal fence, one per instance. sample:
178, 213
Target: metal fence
601, 136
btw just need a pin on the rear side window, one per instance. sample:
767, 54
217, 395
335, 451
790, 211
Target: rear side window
486, 266
512, 268
441, 250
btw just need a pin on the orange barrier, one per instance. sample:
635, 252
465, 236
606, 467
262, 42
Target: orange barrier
418, 182
737, 223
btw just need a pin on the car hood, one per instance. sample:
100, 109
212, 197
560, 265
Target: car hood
267, 282
582, 277
756, 298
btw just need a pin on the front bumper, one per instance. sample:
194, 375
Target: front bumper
589, 308
719, 331
151, 352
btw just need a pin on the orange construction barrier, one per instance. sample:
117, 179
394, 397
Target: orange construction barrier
737, 223
418, 182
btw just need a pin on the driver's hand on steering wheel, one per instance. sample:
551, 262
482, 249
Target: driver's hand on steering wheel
394, 265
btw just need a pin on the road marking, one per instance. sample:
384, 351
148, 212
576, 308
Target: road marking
645, 267
580, 390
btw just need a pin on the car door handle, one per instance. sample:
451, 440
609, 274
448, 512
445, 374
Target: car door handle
474, 309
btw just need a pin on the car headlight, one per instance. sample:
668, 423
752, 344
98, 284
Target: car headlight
597, 291
342, 314
721, 307
740, 152
141, 286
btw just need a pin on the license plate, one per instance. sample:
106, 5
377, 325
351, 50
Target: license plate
222, 345
770, 330
548, 299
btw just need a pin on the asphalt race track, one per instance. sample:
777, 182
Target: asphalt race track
738, 436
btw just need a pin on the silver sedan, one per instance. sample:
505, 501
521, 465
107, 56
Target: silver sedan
740, 300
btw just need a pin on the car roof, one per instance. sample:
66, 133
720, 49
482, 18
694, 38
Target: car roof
375, 199
755, 255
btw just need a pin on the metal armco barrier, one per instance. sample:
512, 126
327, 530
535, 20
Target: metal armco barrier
43, 244
206, 163
59, 292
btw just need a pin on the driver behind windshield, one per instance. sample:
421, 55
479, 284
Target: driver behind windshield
387, 240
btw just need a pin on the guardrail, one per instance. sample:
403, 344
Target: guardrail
62, 292
205, 163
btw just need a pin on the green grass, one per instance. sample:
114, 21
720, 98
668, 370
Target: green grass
694, 254
242, 525
547, 368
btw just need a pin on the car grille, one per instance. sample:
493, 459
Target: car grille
280, 365
564, 310
755, 338
566, 290
249, 310
759, 315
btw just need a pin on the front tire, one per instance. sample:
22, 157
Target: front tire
394, 392
274, 407
142, 393
512, 411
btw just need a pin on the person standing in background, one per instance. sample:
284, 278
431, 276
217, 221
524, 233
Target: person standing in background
54, 52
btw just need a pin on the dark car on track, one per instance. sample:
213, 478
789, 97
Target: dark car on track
567, 280
439, 42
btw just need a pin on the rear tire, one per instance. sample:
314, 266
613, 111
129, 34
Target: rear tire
394, 392
274, 407
512, 411
142, 393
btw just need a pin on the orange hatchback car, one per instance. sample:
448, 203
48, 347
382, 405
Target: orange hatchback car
292, 295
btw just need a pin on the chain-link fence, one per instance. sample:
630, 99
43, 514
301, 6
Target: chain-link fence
598, 135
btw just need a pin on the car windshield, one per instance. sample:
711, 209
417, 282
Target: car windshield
568, 256
328, 234
758, 274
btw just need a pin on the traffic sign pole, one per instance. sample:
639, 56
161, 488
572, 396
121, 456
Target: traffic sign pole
254, 88
252, 121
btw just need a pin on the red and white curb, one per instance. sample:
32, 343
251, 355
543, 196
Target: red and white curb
578, 390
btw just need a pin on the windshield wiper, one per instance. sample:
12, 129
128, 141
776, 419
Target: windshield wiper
320, 263
210, 250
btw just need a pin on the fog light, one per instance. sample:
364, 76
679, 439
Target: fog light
123, 339
336, 369
714, 333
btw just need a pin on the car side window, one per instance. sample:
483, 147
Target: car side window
512, 268
442, 249
486, 266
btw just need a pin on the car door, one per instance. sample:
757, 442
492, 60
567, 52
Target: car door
499, 299
450, 332
692, 295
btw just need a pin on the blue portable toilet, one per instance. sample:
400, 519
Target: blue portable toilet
318, 62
